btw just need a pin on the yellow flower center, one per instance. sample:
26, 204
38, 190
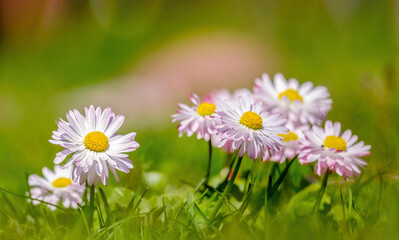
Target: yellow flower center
251, 120
289, 136
96, 141
62, 182
291, 94
206, 109
337, 143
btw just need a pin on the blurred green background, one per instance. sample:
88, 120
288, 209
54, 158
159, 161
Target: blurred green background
143, 57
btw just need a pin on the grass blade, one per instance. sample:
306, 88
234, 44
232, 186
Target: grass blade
275, 186
106, 205
22, 196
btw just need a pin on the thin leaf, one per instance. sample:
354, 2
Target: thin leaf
106, 205
280, 179
100, 214
22, 196
85, 220
141, 198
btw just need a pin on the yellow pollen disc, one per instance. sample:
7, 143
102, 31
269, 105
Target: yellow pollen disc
96, 141
62, 182
206, 109
291, 94
290, 136
337, 143
251, 120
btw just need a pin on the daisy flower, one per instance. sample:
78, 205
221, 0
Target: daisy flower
248, 129
196, 119
338, 152
291, 147
300, 104
55, 187
225, 95
95, 147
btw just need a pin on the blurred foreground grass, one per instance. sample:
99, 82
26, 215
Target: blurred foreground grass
354, 56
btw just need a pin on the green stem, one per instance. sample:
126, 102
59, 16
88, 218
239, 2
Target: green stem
350, 202
343, 204
228, 188
322, 190
91, 206
208, 172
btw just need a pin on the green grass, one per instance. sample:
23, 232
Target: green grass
354, 209
356, 58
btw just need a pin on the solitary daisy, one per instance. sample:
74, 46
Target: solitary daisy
300, 104
291, 147
333, 150
55, 187
248, 129
95, 147
196, 119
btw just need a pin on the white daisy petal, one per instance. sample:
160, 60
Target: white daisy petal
114, 126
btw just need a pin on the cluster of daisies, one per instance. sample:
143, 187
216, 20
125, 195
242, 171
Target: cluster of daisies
93, 149
276, 121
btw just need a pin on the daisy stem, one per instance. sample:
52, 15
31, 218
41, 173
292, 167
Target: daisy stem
91, 206
322, 190
350, 203
228, 188
208, 172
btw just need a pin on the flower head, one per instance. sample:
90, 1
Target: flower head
196, 119
95, 147
224, 94
248, 129
331, 149
300, 104
55, 187
291, 147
